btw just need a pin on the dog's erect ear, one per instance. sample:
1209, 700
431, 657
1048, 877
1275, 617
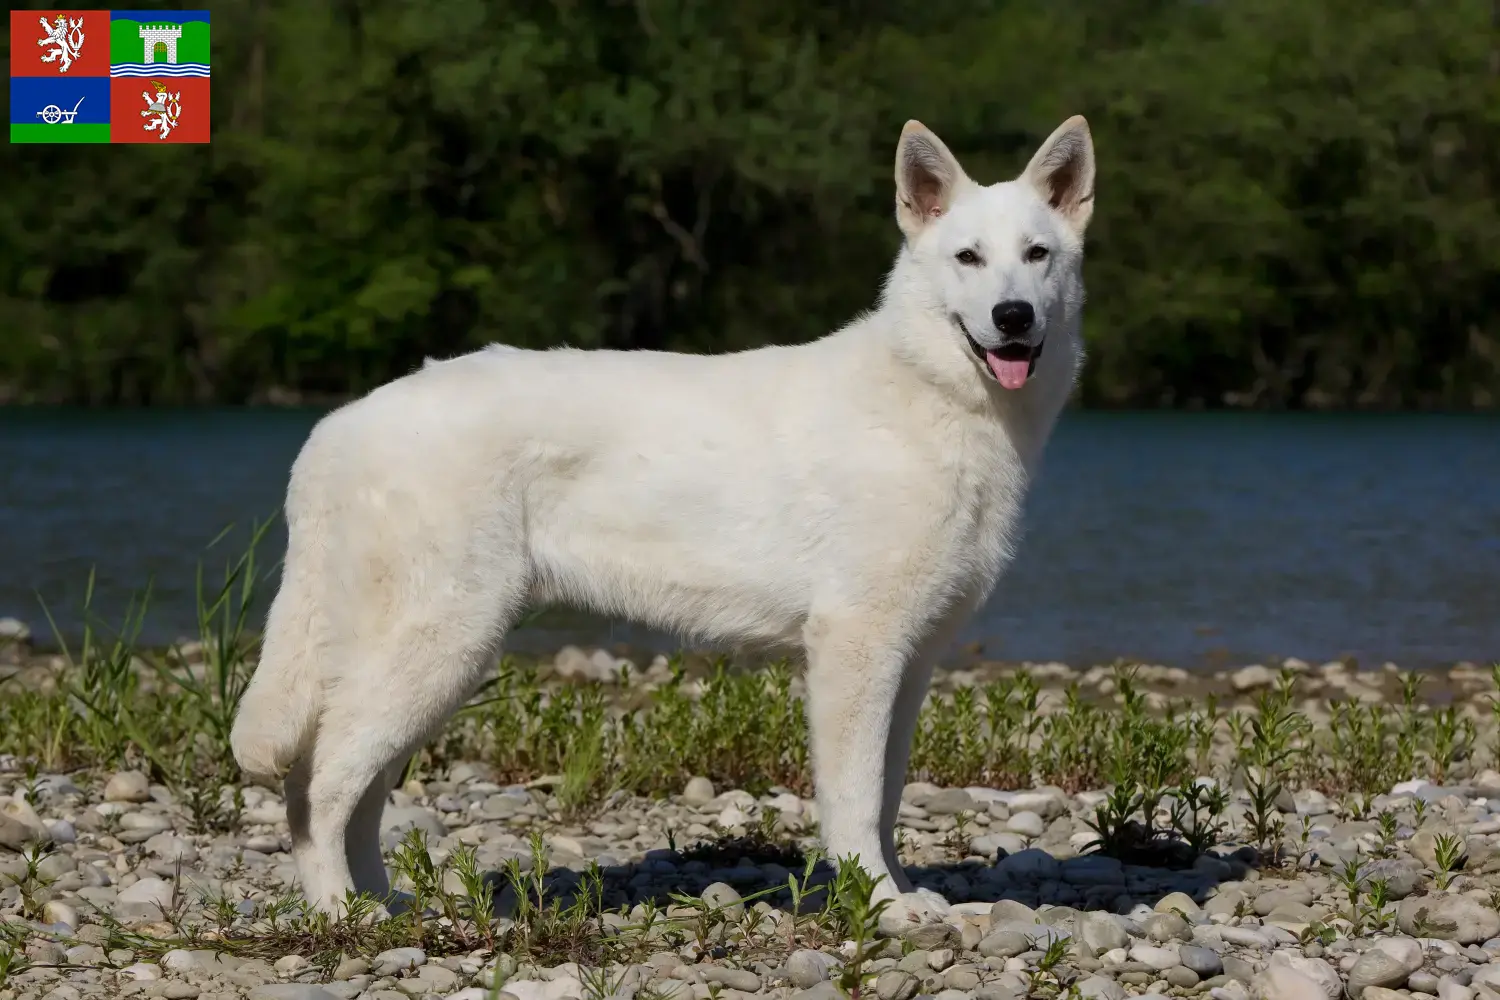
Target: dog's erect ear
926, 177
1062, 171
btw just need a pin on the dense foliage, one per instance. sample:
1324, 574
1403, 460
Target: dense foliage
1297, 198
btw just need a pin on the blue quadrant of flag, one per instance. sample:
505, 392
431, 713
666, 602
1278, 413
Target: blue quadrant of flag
83, 99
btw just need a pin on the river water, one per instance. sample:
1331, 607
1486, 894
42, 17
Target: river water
1193, 539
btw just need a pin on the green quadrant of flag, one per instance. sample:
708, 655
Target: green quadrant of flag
158, 43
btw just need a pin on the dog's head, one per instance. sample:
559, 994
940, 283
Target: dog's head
1003, 261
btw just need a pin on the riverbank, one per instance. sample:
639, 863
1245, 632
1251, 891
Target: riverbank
591, 827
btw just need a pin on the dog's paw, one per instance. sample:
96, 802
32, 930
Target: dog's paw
396, 904
913, 909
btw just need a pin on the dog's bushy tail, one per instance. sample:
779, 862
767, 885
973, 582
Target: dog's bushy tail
280, 707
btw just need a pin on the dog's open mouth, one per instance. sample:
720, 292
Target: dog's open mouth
1010, 364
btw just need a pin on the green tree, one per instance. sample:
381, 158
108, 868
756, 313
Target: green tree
1297, 200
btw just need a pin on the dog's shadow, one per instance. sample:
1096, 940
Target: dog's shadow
782, 878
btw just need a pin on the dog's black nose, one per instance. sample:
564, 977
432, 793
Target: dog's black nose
1013, 317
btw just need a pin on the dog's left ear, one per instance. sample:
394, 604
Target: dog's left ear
1062, 171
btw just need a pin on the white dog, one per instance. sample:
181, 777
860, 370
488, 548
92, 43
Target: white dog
858, 495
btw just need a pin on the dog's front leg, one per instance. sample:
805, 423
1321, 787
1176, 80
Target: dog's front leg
855, 685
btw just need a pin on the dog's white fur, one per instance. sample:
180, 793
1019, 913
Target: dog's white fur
858, 495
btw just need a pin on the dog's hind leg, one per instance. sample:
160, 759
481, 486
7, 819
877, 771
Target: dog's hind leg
392, 692
362, 835
372, 721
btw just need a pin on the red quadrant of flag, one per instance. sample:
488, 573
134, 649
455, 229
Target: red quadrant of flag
30, 29
131, 101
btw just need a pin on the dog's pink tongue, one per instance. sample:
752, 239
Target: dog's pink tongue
1012, 374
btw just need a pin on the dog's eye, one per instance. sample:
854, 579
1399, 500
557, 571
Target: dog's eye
1036, 253
967, 257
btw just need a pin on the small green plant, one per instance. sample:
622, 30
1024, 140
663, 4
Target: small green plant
1381, 916
102, 681
1267, 828
1358, 807
959, 842
1388, 826
1304, 835
1495, 711
584, 765
1411, 727
859, 914
1452, 741
1113, 833
1045, 982
1319, 933
1357, 749
1449, 851
30, 883
1348, 878
1368, 899
12, 951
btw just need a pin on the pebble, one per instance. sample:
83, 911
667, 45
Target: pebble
738, 979
1155, 958
1315, 969
1387, 963
1179, 903
127, 786
807, 968
57, 912
146, 899
1004, 944
896, 984
1102, 932
1281, 982
1448, 916
725, 898
699, 791
289, 965
1027, 824
1247, 937
398, 959
142, 971
1101, 988
291, 991
1204, 961
950, 802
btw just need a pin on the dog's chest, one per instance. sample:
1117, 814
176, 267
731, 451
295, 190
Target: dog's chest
988, 489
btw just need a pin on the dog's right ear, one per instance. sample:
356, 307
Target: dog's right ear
927, 175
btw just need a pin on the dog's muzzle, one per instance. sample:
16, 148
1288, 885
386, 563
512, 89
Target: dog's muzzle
1010, 364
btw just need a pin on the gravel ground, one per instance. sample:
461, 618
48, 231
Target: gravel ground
1012, 866
1220, 927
